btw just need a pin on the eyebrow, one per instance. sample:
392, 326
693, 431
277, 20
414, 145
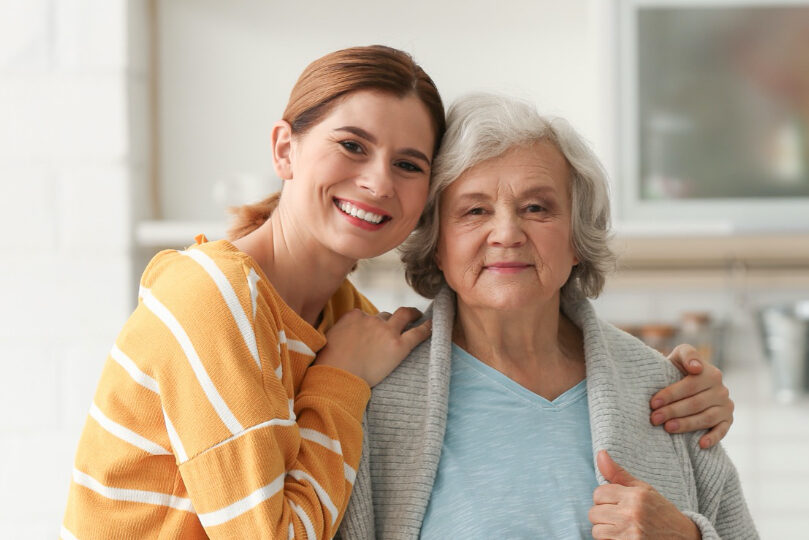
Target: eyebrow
531, 192
359, 132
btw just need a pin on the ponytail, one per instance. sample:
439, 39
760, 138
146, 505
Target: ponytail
249, 217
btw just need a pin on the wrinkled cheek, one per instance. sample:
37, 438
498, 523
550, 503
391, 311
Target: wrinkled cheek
471, 274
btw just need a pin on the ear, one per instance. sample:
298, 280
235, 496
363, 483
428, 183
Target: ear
282, 149
576, 260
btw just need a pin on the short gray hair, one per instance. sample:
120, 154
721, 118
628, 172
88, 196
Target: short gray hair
484, 126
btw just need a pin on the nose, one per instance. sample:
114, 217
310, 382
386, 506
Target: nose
506, 230
378, 181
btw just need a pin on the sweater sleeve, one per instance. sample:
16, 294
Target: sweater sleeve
256, 461
723, 512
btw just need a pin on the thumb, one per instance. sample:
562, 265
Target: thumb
614, 473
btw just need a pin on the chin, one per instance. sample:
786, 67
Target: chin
513, 299
506, 302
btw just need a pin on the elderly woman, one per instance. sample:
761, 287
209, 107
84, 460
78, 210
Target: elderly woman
524, 415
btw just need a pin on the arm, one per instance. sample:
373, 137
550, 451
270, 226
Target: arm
698, 401
251, 466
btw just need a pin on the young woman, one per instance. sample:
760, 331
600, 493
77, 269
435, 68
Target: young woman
221, 412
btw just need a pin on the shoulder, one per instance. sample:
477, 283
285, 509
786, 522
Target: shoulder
203, 273
626, 355
632, 355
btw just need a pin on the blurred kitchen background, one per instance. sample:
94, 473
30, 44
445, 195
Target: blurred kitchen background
128, 126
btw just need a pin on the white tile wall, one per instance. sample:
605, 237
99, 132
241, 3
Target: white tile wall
95, 209
25, 35
74, 127
28, 187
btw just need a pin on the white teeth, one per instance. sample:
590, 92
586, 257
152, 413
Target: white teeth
364, 215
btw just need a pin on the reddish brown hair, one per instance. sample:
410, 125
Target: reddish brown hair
333, 76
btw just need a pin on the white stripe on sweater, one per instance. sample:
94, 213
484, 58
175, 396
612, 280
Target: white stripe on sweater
223, 515
176, 443
134, 371
325, 500
204, 379
132, 495
307, 523
349, 473
232, 301
126, 434
291, 406
322, 439
299, 347
294, 345
274, 422
252, 280
64, 534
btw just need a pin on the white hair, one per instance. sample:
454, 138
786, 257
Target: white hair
484, 126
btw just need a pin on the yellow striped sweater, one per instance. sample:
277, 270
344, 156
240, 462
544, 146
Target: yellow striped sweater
208, 420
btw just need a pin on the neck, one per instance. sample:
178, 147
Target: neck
303, 273
539, 348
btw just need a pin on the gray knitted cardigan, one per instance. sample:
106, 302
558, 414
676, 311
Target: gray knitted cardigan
407, 415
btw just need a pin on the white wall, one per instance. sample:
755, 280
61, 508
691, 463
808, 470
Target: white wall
73, 157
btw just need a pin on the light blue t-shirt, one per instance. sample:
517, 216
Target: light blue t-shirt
513, 464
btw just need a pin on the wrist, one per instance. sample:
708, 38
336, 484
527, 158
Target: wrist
336, 363
694, 531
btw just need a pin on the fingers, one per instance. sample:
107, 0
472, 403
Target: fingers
608, 494
686, 359
413, 336
402, 317
714, 396
685, 407
704, 420
602, 514
417, 334
687, 386
605, 531
714, 436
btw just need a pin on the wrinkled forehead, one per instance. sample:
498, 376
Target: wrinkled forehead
536, 166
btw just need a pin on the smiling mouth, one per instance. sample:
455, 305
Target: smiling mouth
359, 213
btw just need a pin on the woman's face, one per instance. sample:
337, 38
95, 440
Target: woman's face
360, 177
505, 236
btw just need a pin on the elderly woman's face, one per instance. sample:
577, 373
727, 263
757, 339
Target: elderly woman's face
505, 236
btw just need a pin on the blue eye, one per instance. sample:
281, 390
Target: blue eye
352, 146
534, 208
476, 211
409, 167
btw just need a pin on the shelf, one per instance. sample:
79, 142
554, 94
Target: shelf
770, 250
172, 234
